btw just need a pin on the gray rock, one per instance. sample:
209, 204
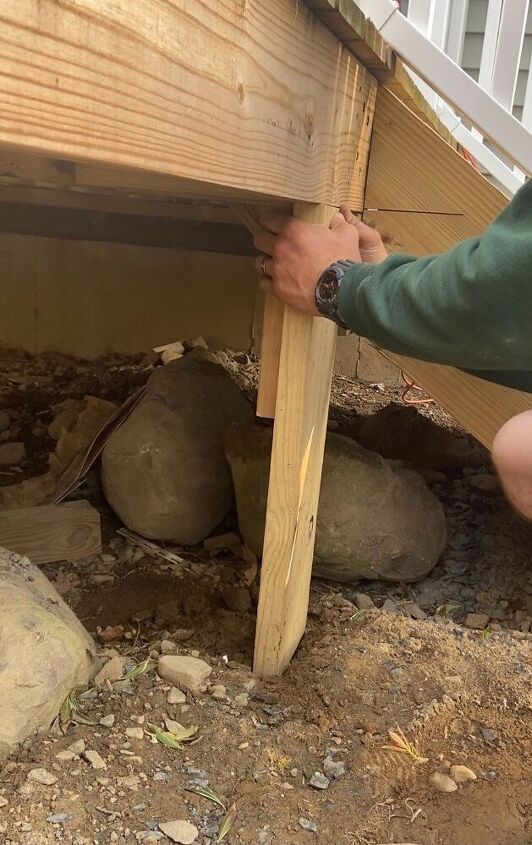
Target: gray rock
333, 769
46, 651
375, 520
95, 759
319, 781
11, 453
164, 471
307, 824
175, 696
183, 671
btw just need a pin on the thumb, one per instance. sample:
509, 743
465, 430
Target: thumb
337, 220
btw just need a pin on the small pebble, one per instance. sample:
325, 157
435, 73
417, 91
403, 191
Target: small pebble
95, 760
242, 699
333, 769
77, 747
108, 721
65, 756
307, 824
42, 776
175, 696
218, 691
180, 831
135, 733
443, 783
319, 781
462, 773
364, 602
168, 647
477, 621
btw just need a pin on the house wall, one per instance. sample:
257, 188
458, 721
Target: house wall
476, 23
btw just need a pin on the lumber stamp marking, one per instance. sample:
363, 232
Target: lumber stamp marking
305, 370
52, 532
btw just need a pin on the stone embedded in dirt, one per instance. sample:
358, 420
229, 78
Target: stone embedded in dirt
319, 781
42, 776
95, 760
180, 831
477, 621
264, 837
364, 602
135, 733
485, 482
223, 543
218, 691
442, 782
307, 824
389, 606
108, 721
242, 699
46, 651
164, 471
77, 747
111, 671
11, 454
375, 520
65, 756
168, 647
175, 696
237, 599
183, 671
460, 774
5, 421
3, 801
333, 769
414, 610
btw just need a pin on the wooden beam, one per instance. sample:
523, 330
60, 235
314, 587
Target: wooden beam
412, 174
306, 362
87, 225
52, 532
248, 97
412, 169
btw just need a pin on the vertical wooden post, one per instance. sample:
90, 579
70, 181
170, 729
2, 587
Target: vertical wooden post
304, 382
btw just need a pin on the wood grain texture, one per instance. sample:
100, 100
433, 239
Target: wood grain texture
52, 532
307, 356
433, 177
412, 169
237, 94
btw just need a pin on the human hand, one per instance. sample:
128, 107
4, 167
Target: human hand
296, 253
372, 249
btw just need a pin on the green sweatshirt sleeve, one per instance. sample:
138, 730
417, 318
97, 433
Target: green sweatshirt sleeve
470, 307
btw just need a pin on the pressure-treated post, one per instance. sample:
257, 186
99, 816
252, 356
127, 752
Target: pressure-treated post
303, 389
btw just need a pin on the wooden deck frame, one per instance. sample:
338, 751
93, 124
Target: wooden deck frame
178, 111
113, 112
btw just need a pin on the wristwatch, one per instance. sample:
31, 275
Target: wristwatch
327, 293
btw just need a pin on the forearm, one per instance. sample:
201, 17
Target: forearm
469, 307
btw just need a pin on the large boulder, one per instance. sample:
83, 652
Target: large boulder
45, 652
375, 519
164, 471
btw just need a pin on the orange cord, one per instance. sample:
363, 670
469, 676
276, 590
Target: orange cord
410, 385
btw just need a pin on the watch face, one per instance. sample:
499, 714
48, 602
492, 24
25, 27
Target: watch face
328, 286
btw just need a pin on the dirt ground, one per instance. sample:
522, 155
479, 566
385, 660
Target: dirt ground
460, 696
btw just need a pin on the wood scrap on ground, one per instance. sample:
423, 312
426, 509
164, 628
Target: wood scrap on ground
50, 533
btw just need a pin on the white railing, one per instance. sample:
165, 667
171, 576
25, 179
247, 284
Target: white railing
478, 115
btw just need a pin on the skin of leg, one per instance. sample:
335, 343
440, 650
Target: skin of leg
512, 456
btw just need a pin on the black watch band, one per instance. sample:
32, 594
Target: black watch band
327, 293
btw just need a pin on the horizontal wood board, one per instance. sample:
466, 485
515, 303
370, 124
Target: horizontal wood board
235, 95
